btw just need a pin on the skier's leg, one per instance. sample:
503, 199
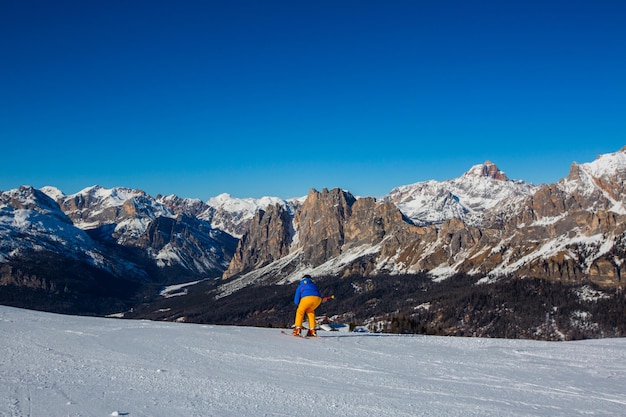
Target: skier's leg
300, 313
313, 303
311, 317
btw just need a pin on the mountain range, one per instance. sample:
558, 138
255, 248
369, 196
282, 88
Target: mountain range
122, 244
482, 224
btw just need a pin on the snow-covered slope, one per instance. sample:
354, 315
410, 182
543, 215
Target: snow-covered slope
608, 165
31, 221
602, 179
56, 365
249, 206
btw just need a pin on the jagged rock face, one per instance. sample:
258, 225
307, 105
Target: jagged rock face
187, 206
330, 223
320, 224
188, 242
488, 170
326, 225
268, 239
370, 222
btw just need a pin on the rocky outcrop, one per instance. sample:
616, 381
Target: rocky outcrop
189, 243
267, 240
489, 170
320, 224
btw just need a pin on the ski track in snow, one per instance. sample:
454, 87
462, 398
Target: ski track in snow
54, 365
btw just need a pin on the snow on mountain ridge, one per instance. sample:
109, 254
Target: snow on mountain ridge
52, 192
608, 165
173, 197
97, 206
247, 206
602, 180
232, 214
483, 187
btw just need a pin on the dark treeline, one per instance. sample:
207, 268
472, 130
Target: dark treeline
509, 308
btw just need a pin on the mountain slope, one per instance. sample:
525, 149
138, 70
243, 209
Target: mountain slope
42, 254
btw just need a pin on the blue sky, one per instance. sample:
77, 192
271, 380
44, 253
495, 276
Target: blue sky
257, 98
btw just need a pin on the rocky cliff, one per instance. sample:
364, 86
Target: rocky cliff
267, 240
327, 226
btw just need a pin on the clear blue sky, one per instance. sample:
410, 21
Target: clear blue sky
255, 98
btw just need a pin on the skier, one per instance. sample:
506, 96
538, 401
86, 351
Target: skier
307, 298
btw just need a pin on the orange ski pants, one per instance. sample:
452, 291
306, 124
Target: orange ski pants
307, 306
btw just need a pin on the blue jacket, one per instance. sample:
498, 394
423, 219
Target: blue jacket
307, 287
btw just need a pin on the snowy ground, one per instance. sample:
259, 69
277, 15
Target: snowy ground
52, 365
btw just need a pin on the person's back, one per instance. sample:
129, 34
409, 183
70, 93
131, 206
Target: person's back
306, 288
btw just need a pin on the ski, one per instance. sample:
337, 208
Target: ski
302, 336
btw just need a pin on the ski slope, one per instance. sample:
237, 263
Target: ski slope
53, 365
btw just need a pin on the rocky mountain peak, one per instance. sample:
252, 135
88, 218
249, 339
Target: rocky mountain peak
320, 223
487, 169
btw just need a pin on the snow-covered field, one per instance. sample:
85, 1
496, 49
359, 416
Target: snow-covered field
53, 365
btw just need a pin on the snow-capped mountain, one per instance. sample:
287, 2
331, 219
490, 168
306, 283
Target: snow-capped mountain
124, 233
481, 188
48, 263
224, 212
31, 221
130, 210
